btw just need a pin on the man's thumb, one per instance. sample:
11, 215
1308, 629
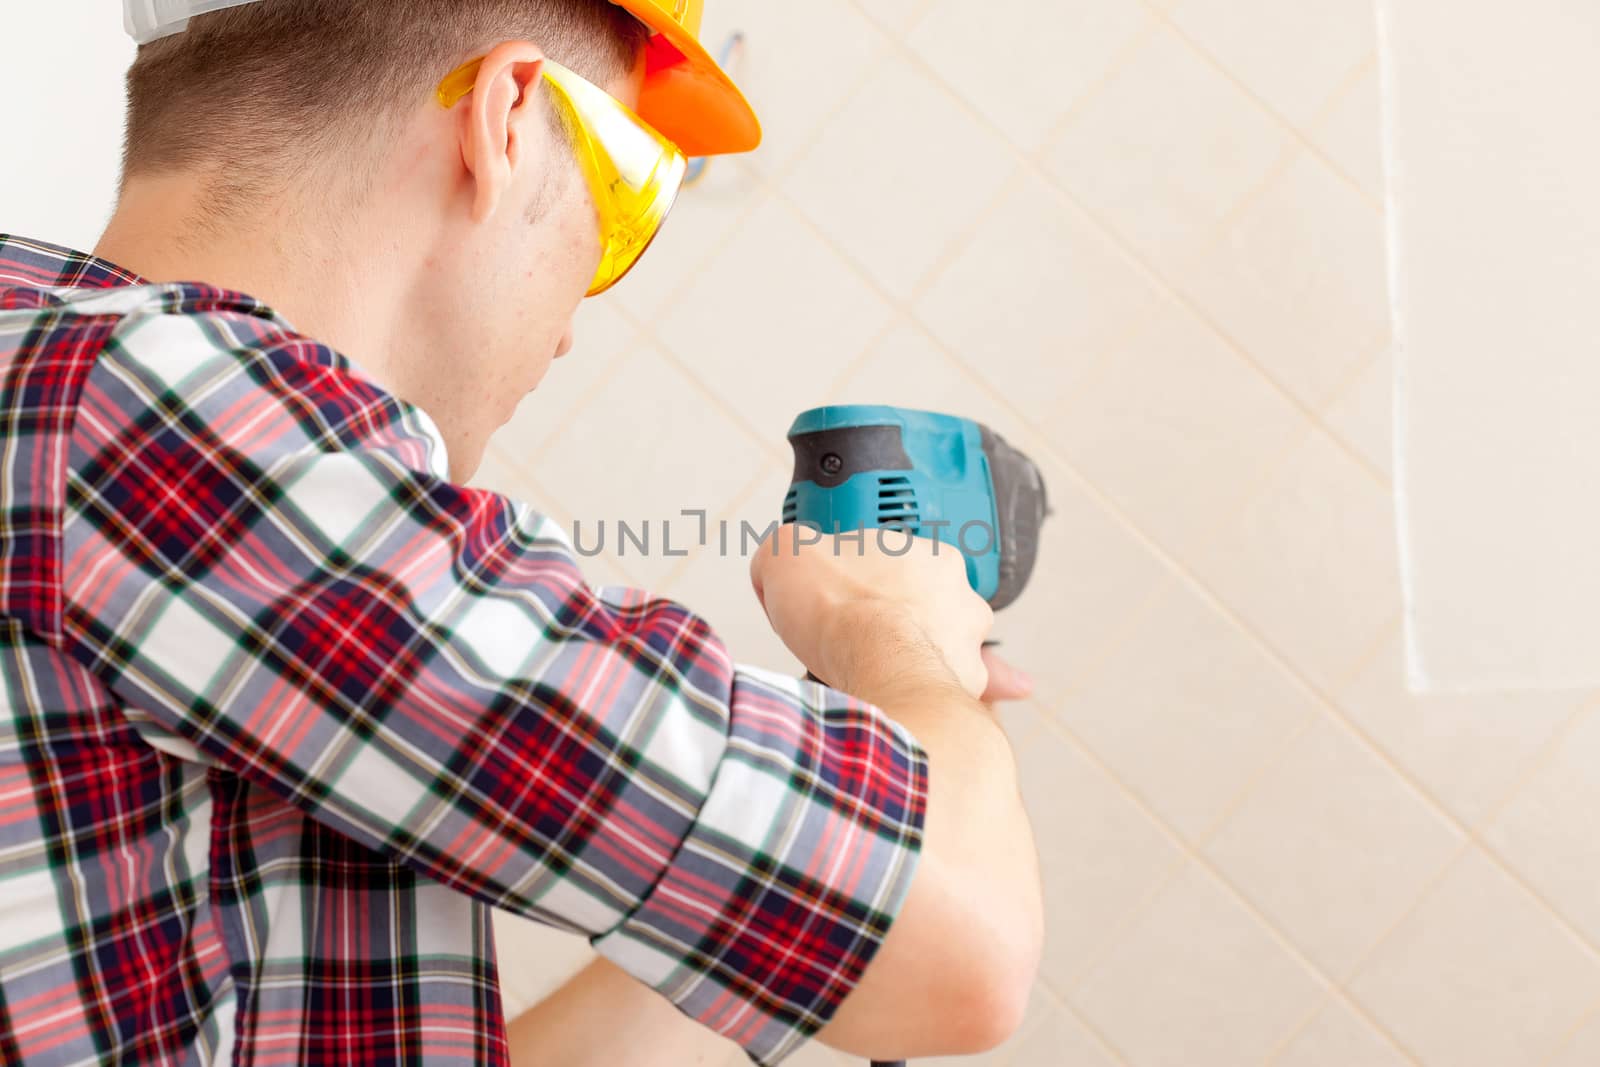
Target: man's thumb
1005, 681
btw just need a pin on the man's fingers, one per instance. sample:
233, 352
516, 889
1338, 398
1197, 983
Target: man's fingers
1005, 681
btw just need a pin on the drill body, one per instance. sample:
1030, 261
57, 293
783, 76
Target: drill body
866, 466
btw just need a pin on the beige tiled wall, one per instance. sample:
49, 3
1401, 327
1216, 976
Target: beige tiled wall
1142, 238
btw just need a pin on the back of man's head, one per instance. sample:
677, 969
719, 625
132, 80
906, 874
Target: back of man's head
296, 150
255, 90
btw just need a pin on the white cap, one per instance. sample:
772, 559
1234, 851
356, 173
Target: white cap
147, 20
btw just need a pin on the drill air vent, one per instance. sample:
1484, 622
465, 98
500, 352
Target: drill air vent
897, 501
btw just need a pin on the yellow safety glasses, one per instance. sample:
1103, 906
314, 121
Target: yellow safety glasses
633, 171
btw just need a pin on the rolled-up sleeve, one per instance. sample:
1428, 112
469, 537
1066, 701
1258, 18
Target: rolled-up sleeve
798, 861
266, 559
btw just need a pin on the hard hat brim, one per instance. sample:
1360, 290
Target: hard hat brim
686, 95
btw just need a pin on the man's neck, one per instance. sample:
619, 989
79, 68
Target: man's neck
352, 272
279, 254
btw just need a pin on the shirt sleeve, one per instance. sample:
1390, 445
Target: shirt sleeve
264, 555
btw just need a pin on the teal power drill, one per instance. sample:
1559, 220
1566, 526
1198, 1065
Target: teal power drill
867, 466
863, 466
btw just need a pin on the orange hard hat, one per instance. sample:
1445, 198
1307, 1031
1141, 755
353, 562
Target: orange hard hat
686, 96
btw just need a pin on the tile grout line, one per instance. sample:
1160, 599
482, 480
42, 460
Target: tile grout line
1125, 55
638, 346
1333, 988
861, 359
1074, 1013
1301, 438
1190, 852
697, 262
1168, 558
1347, 388
740, 422
646, 337
1026, 1030
1277, 173
1345, 995
767, 184
903, 316
1098, 368
1537, 762
1320, 112
653, 336
533, 483
1589, 1015
919, 11
1254, 778
1472, 834
743, 495
1276, 1053
962, 239
499, 453
1105, 650
1341, 990
1341, 95
1299, 146
1290, 154
1162, 882
782, 169
637, 341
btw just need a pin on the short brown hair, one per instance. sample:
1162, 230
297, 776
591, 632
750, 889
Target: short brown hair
259, 85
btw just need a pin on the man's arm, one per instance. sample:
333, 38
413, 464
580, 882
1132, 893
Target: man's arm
954, 973
602, 1017
906, 632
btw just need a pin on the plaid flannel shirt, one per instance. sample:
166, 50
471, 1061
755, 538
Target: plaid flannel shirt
286, 712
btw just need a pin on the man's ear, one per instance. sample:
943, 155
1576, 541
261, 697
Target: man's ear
504, 96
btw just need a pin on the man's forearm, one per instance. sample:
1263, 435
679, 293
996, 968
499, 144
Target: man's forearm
952, 978
603, 1017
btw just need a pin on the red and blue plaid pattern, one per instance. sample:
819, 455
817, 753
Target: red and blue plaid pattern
285, 712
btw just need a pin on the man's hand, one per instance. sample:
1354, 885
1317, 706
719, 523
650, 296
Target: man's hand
853, 610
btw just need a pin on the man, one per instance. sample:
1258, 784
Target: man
288, 708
